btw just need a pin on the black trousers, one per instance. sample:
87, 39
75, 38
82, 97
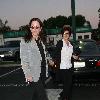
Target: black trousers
39, 92
66, 78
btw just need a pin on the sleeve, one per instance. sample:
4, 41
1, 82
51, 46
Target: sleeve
58, 50
76, 51
24, 55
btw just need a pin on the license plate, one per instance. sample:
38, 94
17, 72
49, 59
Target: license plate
79, 64
1, 55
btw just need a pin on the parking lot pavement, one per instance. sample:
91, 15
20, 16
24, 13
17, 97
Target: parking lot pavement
86, 92
79, 92
25, 93
89, 91
53, 94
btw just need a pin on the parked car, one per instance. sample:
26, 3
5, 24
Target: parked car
10, 51
88, 64
99, 46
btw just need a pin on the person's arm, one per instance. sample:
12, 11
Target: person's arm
57, 57
76, 57
76, 53
49, 59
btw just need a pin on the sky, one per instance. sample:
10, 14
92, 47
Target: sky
19, 12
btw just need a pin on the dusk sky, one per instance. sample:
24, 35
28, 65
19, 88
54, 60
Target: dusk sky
19, 12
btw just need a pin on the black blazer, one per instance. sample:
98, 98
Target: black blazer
57, 57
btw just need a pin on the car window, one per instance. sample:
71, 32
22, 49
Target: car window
12, 44
88, 47
99, 47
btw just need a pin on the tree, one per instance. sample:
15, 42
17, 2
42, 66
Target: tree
23, 28
80, 20
4, 27
55, 22
59, 21
49, 23
1, 23
95, 34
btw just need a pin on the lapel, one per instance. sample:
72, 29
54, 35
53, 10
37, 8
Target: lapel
44, 48
59, 45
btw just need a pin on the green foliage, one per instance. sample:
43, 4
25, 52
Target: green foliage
80, 20
96, 34
55, 22
5, 29
59, 21
23, 28
3, 26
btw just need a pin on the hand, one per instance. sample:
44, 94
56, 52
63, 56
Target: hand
75, 57
51, 62
29, 79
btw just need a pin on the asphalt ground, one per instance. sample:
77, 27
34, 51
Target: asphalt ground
13, 87
25, 93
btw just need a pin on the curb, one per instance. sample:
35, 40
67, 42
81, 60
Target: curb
10, 65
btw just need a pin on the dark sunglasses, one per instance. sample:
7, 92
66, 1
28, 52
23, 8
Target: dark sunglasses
34, 27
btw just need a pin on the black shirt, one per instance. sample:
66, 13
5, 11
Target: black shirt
43, 62
39, 44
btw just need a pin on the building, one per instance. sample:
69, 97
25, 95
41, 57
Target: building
83, 33
13, 35
54, 35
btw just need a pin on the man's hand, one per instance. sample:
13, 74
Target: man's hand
29, 79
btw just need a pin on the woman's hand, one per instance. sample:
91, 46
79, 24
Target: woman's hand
75, 57
51, 62
29, 79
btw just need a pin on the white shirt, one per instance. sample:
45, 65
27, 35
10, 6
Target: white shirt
66, 54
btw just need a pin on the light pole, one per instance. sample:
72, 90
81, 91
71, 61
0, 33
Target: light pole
73, 19
99, 18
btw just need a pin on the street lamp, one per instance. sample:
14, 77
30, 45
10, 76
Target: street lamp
73, 19
99, 18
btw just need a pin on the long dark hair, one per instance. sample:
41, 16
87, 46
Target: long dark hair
28, 36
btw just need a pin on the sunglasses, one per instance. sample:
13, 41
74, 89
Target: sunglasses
34, 27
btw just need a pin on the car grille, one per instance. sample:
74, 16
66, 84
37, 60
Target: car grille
3, 52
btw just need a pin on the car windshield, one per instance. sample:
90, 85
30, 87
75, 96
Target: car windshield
88, 47
12, 44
